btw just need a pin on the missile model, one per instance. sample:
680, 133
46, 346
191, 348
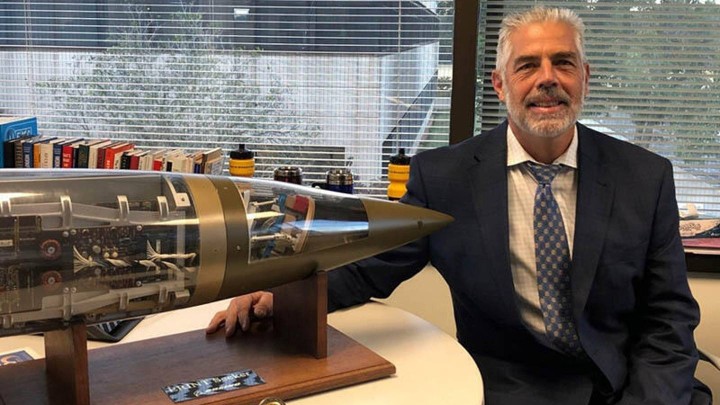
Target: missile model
99, 246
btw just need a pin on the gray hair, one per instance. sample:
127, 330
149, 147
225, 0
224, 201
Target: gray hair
538, 14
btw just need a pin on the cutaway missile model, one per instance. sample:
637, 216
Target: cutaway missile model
107, 245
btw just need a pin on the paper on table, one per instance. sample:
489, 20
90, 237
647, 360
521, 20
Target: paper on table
17, 356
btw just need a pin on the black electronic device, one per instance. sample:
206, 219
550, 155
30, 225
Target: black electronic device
113, 331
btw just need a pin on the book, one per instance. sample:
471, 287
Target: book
12, 150
125, 160
15, 127
170, 162
28, 150
46, 154
197, 161
19, 150
93, 152
100, 157
37, 149
57, 152
212, 161
130, 159
69, 152
113, 153
83, 153
17, 356
135, 157
157, 161
178, 161
146, 161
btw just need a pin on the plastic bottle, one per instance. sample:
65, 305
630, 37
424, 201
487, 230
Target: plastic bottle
242, 162
398, 174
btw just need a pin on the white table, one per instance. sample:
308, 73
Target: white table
432, 367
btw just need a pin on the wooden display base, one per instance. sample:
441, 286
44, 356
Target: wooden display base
135, 373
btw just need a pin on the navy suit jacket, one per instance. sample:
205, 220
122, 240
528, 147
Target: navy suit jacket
632, 304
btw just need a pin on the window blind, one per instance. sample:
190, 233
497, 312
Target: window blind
313, 84
654, 81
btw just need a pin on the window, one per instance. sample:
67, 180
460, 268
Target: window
314, 84
655, 81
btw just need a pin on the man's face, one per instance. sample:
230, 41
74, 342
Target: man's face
544, 82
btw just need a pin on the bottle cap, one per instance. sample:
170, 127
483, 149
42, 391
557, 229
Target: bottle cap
401, 158
342, 177
241, 153
288, 174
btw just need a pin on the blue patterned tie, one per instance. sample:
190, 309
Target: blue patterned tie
552, 257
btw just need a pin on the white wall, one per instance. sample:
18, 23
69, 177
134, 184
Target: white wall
706, 289
427, 296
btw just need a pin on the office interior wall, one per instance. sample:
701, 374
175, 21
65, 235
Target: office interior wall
705, 288
427, 296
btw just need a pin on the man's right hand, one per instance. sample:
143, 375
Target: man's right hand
238, 312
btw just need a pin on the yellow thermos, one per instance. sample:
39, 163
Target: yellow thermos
398, 174
242, 162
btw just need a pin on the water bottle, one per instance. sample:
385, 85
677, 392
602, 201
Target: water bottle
340, 180
242, 162
398, 174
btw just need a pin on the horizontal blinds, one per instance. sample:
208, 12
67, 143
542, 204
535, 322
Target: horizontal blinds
314, 84
655, 82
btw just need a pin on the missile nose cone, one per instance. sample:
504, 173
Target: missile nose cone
401, 223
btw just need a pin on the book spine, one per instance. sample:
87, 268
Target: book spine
45, 155
57, 155
116, 160
19, 154
134, 162
108, 157
27, 154
125, 161
83, 155
75, 150
157, 164
100, 158
66, 161
36, 155
8, 154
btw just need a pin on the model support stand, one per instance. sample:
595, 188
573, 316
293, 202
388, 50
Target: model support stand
296, 354
66, 362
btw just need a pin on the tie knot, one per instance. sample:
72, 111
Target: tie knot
544, 174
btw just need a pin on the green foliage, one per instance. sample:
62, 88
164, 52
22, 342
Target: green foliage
176, 81
656, 83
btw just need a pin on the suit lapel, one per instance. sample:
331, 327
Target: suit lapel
487, 171
594, 202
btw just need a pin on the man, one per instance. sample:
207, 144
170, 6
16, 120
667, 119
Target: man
601, 315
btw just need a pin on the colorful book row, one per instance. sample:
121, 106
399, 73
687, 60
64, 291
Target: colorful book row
60, 152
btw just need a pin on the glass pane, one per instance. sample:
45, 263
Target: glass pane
653, 82
314, 84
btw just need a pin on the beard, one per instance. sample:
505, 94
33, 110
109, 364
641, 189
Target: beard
546, 125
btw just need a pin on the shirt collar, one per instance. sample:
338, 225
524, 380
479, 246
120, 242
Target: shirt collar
517, 154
